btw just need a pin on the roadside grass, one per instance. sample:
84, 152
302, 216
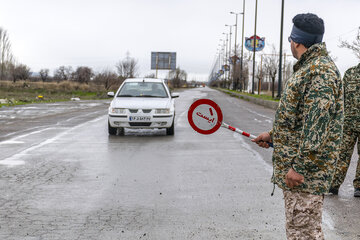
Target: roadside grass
261, 96
22, 92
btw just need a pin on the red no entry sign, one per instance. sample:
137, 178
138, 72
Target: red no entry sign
205, 116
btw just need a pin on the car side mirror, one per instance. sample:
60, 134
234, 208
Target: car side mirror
111, 94
175, 95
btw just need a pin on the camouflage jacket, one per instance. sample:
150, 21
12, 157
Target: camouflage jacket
307, 130
351, 83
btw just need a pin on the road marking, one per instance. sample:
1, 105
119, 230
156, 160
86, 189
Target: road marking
25, 135
259, 114
178, 119
81, 116
11, 142
14, 159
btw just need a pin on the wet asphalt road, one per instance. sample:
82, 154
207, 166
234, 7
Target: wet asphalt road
63, 177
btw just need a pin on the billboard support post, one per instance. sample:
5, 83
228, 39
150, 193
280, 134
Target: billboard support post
163, 61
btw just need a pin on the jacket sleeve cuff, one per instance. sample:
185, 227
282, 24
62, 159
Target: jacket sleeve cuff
271, 133
298, 167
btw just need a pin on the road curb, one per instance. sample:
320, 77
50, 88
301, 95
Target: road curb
262, 102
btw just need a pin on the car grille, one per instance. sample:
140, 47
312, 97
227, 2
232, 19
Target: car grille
146, 110
133, 110
140, 124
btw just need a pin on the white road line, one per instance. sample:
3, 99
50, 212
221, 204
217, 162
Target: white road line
25, 135
180, 118
14, 159
11, 142
259, 114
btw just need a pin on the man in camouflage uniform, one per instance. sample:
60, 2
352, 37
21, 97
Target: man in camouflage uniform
351, 131
307, 130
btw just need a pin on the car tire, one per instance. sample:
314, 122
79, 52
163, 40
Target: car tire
171, 130
112, 130
121, 131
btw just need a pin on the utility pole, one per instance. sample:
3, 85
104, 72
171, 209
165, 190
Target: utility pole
281, 44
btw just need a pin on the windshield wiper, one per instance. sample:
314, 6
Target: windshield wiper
126, 96
147, 96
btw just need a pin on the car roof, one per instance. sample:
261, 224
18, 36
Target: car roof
144, 80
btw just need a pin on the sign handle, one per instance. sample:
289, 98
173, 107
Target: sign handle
224, 125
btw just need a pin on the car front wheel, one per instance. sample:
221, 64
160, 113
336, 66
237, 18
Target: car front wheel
121, 131
171, 130
112, 130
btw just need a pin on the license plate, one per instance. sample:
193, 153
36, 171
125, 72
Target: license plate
139, 118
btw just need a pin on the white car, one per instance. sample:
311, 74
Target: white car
142, 103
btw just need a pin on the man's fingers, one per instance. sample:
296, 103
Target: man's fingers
287, 182
295, 183
264, 144
258, 139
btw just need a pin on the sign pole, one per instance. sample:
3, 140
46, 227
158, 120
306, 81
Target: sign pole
253, 77
157, 61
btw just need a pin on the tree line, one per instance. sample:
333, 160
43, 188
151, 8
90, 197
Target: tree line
128, 67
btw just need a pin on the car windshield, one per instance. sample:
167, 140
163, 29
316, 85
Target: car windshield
143, 89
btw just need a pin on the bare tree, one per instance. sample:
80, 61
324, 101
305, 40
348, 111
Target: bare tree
354, 46
63, 73
108, 79
271, 65
289, 69
128, 67
260, 73
19, 72
6, 57
44, 74
242, 79
151, 75
177, 77
83, 75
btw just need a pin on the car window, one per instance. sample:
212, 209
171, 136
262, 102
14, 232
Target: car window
143, 89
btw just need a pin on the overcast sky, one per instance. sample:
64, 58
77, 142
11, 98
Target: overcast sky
98, 33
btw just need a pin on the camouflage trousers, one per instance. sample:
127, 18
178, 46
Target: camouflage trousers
347, 149
303, 213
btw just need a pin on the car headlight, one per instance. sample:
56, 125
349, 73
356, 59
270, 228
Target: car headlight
118, 110
162, 111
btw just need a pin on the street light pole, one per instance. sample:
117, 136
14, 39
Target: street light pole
235, 51
229, 72
281, 43
253, 76
236, 24
242, 46
226, 56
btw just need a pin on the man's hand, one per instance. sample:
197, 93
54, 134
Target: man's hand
262, 139
293, 179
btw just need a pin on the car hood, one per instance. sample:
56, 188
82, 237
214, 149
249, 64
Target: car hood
138, 102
